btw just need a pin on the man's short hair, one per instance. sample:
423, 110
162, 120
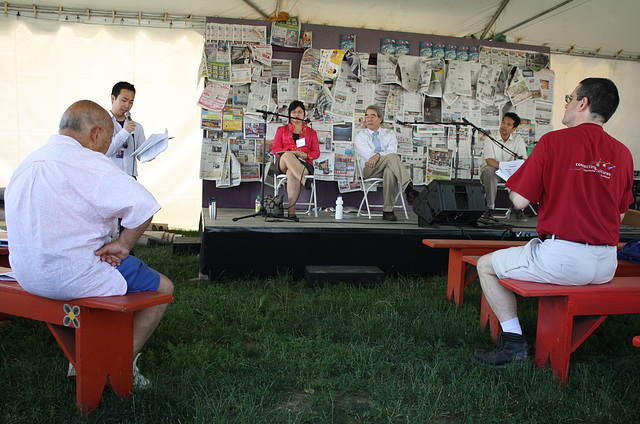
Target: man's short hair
122, 85
602, 94
515, 117
377, 109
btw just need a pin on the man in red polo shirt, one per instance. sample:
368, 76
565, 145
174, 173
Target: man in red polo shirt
582, 178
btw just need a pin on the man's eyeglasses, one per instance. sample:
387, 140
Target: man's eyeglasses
569, 97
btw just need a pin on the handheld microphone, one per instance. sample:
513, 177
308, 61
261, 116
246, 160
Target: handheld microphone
127, 117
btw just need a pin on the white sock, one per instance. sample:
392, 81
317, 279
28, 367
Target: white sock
512, 326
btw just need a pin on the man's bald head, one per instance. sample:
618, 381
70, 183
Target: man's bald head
89, 124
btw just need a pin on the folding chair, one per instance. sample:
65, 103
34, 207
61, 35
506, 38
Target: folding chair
371, 184
311, 204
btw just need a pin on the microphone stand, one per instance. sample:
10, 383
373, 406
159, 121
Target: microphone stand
501, 145
263, 211
465, 122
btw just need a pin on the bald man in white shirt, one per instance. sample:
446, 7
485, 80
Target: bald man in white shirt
62, 207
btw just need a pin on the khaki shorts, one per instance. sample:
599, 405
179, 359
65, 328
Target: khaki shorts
557, 261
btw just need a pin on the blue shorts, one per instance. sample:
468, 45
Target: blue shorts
138, 275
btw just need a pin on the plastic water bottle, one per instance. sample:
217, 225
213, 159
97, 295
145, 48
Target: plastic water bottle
257, 204
339, 207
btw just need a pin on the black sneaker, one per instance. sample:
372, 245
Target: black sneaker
509, 348
488, 213
389, 216
520, 216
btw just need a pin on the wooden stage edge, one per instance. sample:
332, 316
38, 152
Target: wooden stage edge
261, 247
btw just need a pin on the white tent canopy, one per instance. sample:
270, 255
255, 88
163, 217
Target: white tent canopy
45, 65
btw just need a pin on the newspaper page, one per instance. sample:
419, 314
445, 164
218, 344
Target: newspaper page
426, 66
262, 53
344, 165
310, 67
413, 104
286, 34
232, 119
211, 120
416, 168
394, 103
325, 136
240, 95
345, 186
323, 166
218, 61
437, 80
255, 34
212, 159
547, 81
344, 98
439, 164
231, 173
330, 63
260, 94
409, 70
487, 83
387, 64
214, 96
517, 87
458, 78
280, 68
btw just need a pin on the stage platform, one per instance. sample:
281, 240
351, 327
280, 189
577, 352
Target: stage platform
264, 247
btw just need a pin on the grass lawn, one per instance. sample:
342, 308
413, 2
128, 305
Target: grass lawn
274, 351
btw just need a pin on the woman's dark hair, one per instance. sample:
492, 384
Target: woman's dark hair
294, 105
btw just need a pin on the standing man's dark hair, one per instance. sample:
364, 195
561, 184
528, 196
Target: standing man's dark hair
603, 97
122, 85
515, 117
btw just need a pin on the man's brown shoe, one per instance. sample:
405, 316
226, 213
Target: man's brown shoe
389, 216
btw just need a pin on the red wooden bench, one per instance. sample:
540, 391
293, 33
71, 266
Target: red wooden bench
95, 333
567, 315
489, 320
460, 274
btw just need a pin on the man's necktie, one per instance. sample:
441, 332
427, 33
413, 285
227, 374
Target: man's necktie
376, 142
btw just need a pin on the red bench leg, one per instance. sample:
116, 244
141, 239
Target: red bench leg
553, 340
488, 318
456, 276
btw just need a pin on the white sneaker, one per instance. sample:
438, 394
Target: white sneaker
139, 380
72, 371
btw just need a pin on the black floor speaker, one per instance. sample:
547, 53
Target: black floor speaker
449, 202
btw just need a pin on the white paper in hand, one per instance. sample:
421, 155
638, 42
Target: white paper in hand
152, 147
508, 168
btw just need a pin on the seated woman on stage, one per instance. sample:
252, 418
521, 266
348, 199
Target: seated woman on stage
295, 146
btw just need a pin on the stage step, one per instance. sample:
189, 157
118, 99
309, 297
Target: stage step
319, 275
186, 245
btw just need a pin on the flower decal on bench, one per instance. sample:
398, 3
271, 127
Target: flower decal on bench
71, 316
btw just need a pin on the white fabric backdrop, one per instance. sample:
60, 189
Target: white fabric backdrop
46, 66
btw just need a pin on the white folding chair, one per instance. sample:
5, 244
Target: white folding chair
311, 204
371, 184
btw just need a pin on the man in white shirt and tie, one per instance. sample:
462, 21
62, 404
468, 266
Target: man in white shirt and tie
377, 149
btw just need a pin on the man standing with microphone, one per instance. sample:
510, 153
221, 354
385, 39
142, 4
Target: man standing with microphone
127, 134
